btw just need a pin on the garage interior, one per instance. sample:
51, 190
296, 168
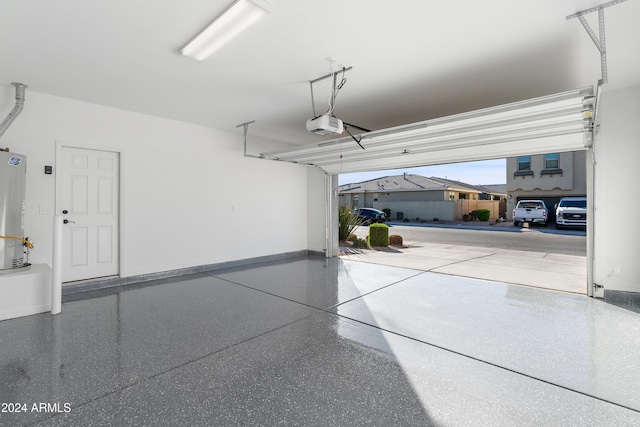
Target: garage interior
224, 301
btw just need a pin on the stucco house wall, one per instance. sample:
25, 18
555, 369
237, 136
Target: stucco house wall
544, 184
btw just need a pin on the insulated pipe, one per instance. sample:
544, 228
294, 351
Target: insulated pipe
17, 109
56, 276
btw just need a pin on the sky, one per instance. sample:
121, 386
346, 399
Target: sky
484, 172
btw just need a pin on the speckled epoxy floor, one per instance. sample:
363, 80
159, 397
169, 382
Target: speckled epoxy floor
316, 341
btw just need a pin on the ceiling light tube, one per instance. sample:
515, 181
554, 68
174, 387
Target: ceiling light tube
240, 15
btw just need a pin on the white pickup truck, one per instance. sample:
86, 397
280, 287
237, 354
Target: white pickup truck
530, 211
571, 212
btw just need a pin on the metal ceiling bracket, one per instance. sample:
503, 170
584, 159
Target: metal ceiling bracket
246, 129
599, 42
346, 128
332, 75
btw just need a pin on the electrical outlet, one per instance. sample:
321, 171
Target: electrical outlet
45, 210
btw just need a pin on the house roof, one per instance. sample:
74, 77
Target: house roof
495, 188
413, 182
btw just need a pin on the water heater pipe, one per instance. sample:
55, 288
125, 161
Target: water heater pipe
17, 109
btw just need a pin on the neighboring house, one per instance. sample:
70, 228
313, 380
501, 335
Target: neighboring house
547, 177
419, 197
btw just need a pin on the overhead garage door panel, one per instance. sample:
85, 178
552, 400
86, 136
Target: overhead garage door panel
555, 123
550, 144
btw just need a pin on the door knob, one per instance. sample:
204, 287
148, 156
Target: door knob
66, 221
65, 211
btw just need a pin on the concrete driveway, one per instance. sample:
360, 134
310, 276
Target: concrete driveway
567, 273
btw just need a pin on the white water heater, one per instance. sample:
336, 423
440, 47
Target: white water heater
13, 174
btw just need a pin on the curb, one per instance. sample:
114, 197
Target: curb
507, 227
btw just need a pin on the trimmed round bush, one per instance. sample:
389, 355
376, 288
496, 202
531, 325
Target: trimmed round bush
379, 235
483, 214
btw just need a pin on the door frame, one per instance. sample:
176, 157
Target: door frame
60, 145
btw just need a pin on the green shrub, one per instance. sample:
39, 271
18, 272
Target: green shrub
483, 214
360, 243
405, 220
347, 221
387, 211
435, 220
379, 235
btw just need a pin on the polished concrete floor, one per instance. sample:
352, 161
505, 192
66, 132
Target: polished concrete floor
315, 341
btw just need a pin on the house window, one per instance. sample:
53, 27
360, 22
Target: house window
524, 163
452, 195
551, 161
551, 165
524, 167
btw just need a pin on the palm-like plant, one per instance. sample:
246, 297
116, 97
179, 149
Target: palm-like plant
348, 221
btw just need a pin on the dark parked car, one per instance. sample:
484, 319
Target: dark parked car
369, 215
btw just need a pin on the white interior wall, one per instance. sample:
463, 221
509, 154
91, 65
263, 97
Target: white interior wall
190, 196
617, 174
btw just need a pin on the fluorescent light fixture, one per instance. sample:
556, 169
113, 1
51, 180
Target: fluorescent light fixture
235, 19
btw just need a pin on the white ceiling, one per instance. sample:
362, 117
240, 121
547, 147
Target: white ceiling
412, 59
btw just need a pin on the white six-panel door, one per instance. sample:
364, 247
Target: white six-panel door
89, 205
